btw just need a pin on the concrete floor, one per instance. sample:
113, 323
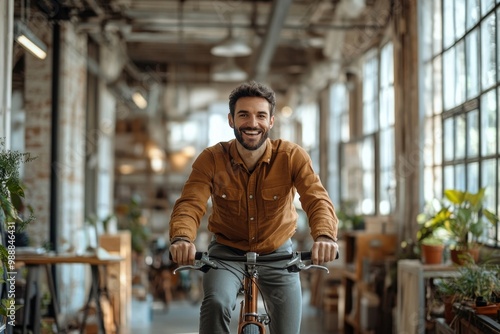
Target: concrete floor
182, 318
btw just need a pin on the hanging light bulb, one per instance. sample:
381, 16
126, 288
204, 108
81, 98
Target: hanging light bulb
231, 47
229, 72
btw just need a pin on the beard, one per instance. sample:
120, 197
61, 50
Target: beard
250, 146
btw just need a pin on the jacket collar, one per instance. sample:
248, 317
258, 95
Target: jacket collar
236, 159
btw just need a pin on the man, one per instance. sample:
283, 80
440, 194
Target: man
252, 183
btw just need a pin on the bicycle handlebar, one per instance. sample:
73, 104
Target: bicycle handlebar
304, 256
205, 262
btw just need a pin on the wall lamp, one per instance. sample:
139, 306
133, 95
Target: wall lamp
28, 40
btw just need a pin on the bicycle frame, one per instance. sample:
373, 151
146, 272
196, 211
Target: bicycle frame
249, 306
250, 322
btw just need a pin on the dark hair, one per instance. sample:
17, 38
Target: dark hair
252, 89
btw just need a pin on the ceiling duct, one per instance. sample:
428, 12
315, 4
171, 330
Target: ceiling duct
268, 47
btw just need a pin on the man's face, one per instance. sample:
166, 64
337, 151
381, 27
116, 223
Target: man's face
251, 122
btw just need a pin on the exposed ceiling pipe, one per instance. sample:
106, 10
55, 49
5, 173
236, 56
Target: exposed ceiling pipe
320, 74
276, 21
96, 7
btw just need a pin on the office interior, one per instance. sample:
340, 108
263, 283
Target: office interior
395, 101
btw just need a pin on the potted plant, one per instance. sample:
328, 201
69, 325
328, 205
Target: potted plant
464, 216
432, 249
430, 237
12, 220
133, 219
348, 218
477, 287
447, 292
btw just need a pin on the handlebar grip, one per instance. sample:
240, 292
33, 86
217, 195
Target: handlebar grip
304, 256
197, 256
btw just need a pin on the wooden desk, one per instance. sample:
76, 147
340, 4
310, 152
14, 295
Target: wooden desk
34, 262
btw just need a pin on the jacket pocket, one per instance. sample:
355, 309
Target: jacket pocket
274, 199
227, 202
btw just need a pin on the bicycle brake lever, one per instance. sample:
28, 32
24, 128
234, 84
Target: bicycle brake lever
204, 264
187, 267
296, 265
316, 267
295, 261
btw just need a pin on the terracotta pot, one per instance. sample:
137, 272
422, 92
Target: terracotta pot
491, 309
432, 254
449, 313
460, 256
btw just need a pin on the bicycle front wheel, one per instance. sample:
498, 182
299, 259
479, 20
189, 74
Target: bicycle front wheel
251, 329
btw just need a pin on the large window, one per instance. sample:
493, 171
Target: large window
369, 159
309, 118
358, 175
387, 175
461, 75
339, 125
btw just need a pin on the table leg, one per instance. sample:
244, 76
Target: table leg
55, 302
96, 284
94, 294
27, 299
104, 292
33, 279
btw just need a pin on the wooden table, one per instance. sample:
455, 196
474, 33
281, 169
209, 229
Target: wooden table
35, 262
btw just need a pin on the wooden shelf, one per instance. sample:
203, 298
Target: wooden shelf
119, 276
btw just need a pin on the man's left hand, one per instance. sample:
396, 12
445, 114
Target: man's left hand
323, 250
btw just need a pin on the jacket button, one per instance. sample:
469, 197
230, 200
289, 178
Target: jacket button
223, 196
275, 197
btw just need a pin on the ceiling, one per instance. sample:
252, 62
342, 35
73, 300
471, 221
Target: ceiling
172, 39
297, 46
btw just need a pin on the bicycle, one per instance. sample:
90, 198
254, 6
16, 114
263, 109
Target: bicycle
250, 321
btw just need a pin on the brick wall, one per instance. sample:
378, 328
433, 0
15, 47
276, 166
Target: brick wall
37, 104
70, 170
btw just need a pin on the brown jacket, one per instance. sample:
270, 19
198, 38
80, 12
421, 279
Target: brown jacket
253, 211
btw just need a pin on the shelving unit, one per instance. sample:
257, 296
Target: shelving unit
413, 277
119, 276
364, 252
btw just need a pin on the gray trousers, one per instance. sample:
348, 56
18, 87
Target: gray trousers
280, 289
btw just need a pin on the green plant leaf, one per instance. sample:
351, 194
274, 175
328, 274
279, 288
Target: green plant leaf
454, 196
490, 216
6, 304
4, 256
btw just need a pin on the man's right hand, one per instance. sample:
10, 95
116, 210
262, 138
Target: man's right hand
183, 252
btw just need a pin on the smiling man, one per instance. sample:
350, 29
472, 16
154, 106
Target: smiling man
252, 182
